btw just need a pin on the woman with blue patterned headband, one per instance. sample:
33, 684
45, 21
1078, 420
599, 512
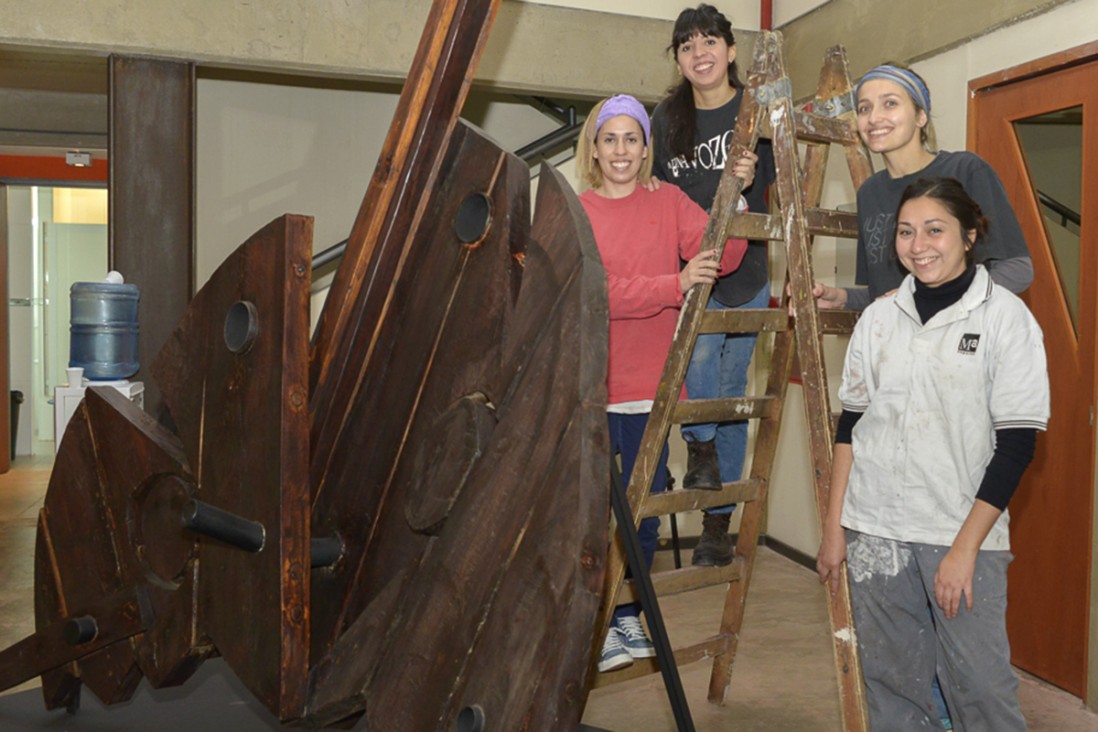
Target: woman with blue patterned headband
894, 121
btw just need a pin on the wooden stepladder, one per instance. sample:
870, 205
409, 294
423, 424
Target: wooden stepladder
767, 110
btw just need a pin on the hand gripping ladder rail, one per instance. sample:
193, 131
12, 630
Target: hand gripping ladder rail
767, 110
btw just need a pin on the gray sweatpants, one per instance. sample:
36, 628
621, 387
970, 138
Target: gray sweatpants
902, 645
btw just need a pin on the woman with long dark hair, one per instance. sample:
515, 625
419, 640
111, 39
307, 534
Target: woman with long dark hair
692, 129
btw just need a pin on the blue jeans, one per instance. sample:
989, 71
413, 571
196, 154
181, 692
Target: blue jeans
718, 369
626, 431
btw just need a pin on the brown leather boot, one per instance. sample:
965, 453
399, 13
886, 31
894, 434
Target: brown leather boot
715, 547
702, 469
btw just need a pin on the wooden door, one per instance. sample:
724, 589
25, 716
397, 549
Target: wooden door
1036, 126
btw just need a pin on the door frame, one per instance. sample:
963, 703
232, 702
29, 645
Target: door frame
1058, 62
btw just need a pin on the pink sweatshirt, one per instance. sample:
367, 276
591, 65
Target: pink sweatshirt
641, 239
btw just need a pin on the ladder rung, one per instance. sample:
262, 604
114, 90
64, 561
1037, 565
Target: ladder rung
693, 499
755, 226
694, 411
828, 222
707, 648
747, 320
814, 128
688, 579
838, 322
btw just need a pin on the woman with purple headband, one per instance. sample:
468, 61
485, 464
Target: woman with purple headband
894, 121
641, 235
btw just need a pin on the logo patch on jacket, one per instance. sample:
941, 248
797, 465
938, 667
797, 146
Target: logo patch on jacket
969, 342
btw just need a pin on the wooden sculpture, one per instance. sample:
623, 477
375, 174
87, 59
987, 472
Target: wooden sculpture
406, 518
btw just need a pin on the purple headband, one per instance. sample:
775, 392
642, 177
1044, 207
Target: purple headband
911, 83
627, 105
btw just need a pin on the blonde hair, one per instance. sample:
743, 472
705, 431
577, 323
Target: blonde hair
587, 166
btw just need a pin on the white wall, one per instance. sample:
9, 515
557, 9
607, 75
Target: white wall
265, 149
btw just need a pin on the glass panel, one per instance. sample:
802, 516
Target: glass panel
1052, 144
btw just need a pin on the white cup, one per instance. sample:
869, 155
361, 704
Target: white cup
76, 375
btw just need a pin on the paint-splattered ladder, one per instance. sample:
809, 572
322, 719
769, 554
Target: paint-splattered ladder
768, 111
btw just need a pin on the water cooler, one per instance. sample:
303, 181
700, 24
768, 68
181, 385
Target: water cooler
103, 333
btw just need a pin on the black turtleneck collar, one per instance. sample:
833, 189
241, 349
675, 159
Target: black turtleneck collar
929, 301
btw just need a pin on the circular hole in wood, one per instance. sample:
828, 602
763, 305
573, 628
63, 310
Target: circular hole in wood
474, 217
241, 326
470, 719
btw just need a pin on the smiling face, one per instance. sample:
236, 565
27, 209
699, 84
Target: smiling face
931, 242
704, 60
888, 120
620, 150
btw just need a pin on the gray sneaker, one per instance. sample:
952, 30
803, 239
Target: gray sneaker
634, 638
614, 653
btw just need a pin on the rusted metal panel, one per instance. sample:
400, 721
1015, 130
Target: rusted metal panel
151, 191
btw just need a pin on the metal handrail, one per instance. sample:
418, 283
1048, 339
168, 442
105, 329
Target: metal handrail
565, 134
1061, 210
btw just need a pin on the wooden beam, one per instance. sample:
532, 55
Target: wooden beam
151, 190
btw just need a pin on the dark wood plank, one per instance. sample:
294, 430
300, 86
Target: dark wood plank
391, 212
151, 219
117, 618
534, 472
94, 542
245, 430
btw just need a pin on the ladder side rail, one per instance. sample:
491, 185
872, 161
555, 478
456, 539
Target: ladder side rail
814, 378
802, 202
751, 521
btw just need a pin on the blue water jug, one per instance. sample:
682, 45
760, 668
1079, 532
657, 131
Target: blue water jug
103, 329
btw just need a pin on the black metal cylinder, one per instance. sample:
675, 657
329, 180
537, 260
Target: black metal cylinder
470, 719
80, 630
216, 523
325, 551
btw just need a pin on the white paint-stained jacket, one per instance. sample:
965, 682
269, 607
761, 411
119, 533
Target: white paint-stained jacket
932, 397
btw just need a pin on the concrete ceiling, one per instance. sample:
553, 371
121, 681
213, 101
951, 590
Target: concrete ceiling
51, 101
53, 53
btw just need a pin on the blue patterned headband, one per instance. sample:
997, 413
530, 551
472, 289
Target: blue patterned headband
911, 83
627, 105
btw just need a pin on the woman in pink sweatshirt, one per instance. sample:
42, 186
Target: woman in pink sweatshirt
642, 236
